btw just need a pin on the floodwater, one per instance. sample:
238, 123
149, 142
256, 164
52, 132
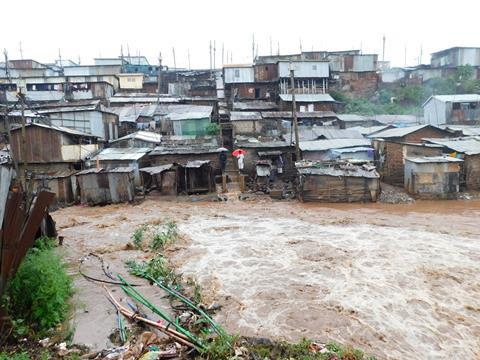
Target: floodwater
398, 281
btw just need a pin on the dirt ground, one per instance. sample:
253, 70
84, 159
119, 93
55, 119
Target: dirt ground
397, 281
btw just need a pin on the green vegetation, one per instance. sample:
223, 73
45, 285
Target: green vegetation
19, 356
212, 129
36, 297
221, 348
408, 99
137, 236
156, 268
164, 236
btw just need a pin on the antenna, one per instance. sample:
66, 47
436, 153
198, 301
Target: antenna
214, 52
79, 60
188, 55
128, 52
7, 68
383, 49
223, 53
253, 47
60, 57
271, 49
20, 49
278, 48
210, 51
405, 55
421, 55
174, 60
300, 39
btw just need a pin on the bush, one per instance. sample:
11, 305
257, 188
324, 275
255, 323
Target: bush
36, 296
19, 356
212, 129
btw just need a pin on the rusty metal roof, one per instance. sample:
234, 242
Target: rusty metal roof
122, 169
433, 159
121, 154
466, 145
196, 163
311, 98
89, 171
347, 171
322, 145
153, 170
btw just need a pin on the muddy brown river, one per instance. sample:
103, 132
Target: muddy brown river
397, 281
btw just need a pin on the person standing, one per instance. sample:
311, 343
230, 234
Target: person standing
223, 161
240, 161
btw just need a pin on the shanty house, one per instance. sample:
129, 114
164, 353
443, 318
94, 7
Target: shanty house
468, 149
393, 145
452, 109
307, 102
184, 149
278, 152
98, 186
432, 176
310, 77
456, 56
184, 119
163, 178
339, 183
111, 158
48, 149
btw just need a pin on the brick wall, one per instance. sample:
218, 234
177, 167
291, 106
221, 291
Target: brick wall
427, 132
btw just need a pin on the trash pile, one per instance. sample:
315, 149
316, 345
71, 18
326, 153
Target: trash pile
394, 195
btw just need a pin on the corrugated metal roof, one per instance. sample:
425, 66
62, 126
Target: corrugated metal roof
352, 149
333, 133
433, 159
143, 99
124, 169
467, 130
245, 116
146, 136
369, 129
89, 171
321, 145
121, 154
254, 105
456, 98
300, 115
196, 163
352, 117
398, 132
311, 98
466, 145
58, 128
184, 112
255, 143
153, 170
133, 112
351, 171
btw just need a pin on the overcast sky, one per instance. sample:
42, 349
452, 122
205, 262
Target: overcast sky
94, 28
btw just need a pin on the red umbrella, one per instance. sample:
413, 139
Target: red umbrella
239, 152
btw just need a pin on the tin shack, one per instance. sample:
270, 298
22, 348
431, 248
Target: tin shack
432, 176
338, 183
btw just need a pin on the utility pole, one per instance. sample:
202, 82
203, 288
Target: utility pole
21, 50
294, 113
405, 55
159, 73
300, 39
383, 49
271, 48
188, 56
278, 48
9, 134
21, 97
421, 55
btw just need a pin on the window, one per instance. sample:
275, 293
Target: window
237, 73
266, 68
8, 87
